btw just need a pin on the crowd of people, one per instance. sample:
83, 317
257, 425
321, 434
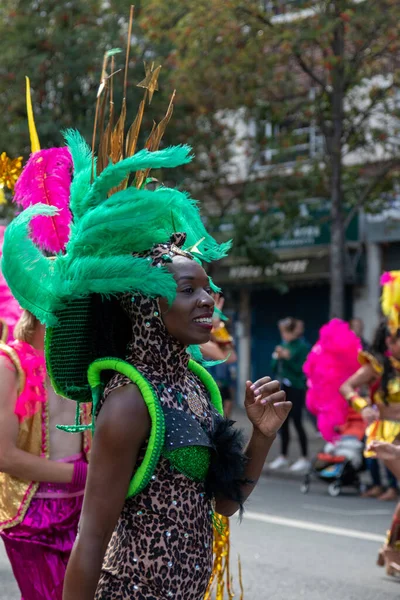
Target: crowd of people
352, 388
119, 464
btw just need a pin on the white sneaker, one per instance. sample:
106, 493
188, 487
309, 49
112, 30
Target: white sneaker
301, 464
279, 463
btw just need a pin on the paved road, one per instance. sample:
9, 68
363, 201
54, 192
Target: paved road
8, 589
317, 547
294, 546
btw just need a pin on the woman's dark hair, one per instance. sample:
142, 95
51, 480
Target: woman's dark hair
113, 329
379, 350
288, 324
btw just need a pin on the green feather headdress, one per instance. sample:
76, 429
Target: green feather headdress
106, 231
112, 225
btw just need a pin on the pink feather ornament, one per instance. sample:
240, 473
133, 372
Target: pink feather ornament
46, 178
387, 278
10, 311
34, 392
332, 360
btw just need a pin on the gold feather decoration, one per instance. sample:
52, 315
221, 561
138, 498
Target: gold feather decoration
150, 82
154, 139
113, 144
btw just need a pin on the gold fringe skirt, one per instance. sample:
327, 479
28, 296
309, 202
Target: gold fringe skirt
221, 578
381, 431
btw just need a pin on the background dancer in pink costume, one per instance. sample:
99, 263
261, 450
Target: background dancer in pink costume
43, 470
10, 309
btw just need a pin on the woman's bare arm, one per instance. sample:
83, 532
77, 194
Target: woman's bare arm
14, 461
364, 376
122, 427
267, 408
212, 351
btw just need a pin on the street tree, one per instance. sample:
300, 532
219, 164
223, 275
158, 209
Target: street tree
331, 63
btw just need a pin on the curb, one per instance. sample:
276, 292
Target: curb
284, 474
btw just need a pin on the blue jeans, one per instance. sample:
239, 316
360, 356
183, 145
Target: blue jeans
373, 468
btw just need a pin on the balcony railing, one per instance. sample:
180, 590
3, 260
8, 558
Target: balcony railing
303, 143
281, 7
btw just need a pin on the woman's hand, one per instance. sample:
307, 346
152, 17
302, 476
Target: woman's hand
282, 352
266, 405
370, 414
384, 450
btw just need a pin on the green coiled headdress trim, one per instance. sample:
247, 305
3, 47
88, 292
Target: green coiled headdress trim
155, 445
146, 469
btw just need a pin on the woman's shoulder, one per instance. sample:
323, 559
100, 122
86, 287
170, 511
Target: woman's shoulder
123, 407
367, 358
117, 381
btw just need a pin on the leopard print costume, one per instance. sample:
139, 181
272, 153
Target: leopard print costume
162, 545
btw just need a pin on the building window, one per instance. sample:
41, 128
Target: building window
281, 7
287, 143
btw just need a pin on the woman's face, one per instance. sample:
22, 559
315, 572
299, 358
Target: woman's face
393, 344
189, 318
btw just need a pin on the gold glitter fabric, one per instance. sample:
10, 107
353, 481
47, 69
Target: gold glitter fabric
220, 585
16, 494
33, 437
10, 169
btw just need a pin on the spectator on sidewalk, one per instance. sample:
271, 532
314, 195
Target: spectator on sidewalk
287, 366
357, 325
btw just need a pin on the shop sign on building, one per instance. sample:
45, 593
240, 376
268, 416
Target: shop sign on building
383, 226
289, 267
315, 232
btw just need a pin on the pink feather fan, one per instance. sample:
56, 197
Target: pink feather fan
46, 178
332, 360
10, 311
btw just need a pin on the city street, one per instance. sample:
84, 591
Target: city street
314, 546
294, 546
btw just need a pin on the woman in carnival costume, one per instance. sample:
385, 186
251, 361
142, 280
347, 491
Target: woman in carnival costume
380, 370
329, 364
126, 308
389, 554
221, 349
43, 470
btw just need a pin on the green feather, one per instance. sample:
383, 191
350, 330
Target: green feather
134, 220
112, 275
114, 174
196, 354
82, 160
79, 149
28, 273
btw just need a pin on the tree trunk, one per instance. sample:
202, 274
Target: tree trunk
337, 250
337, 255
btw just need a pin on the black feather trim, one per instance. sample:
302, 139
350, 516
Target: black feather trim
228, 461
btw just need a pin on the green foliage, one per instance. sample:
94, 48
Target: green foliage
333, 66
221, 57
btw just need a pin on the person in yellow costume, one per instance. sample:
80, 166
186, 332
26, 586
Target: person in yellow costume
380, 370
221, 348
389, 553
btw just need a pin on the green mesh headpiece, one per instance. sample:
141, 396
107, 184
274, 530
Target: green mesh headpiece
106, 231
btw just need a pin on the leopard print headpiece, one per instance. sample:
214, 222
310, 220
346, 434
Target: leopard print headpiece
161, 254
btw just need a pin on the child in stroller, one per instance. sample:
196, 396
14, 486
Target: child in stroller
341, 461
332, 360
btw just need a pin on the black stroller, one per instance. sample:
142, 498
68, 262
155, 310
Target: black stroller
339, 465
